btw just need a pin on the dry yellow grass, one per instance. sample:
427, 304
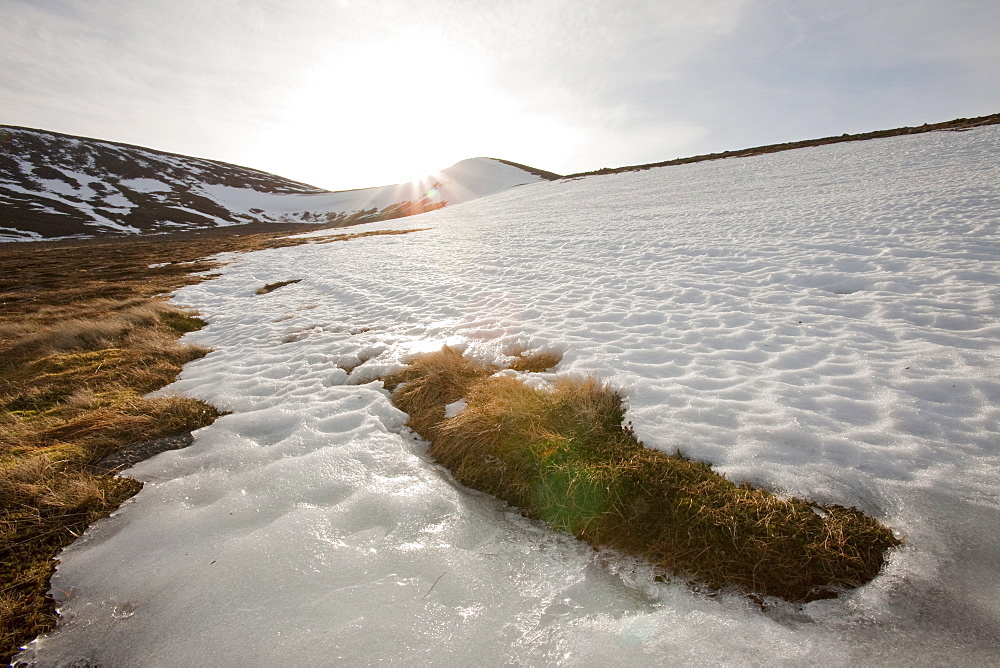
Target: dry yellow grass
561, 455
85, 333
45, 506
432, 381
532, 360
72, 392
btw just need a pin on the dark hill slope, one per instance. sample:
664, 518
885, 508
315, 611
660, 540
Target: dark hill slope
56, 185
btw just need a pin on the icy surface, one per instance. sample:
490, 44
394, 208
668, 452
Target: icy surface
824, 322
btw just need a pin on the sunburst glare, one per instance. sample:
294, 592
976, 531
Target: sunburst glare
401, 110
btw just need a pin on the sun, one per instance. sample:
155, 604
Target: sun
399, 110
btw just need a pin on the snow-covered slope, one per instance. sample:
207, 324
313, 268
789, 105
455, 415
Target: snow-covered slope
821, 321
56, 186
462, 182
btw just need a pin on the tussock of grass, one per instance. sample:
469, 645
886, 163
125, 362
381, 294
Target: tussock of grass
562, 456
534, 361
430, 382
271, 287
182, 322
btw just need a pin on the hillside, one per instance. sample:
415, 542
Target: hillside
56, 186
820, 322
957, 124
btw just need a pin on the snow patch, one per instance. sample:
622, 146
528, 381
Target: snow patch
453, 409
146, 185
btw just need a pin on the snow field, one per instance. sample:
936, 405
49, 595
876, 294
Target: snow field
823, 322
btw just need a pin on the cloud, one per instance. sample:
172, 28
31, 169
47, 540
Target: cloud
347, 94
793, 70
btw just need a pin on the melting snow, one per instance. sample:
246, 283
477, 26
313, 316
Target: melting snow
823, 322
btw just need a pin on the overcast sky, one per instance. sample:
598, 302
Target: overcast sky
352, 93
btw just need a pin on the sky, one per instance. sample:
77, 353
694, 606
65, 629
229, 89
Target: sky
350, 93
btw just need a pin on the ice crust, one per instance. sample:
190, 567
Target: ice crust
824, 322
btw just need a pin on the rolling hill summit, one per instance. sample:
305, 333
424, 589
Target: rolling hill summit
56, 186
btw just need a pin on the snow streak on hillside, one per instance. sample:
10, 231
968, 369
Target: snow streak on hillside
56, 186
823, 322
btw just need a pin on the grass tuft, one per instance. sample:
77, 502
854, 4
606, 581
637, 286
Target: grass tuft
533, 361
561, 455
432, 381
271, 287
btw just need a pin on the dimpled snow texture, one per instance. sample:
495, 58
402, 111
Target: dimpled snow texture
823, 322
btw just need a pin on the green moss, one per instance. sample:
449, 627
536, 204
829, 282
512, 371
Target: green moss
65, 453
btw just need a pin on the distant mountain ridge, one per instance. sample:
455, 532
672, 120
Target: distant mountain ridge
57, 186
54, 185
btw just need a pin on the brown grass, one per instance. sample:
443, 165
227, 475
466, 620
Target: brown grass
430, 382
562, 456
45, 506
271, 287
535, 361
85, 333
